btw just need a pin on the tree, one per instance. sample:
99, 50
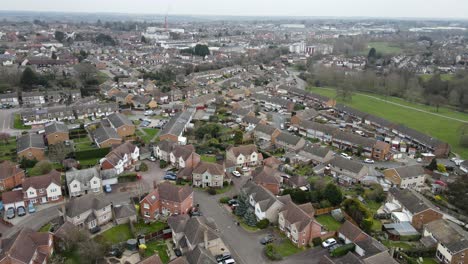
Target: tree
375, 193
59, 36
90, 251
433, 165
250, 218
333, 194
143, 39
238, 137
456, 193
28, 78
54, 56
5, 137
201, 50
356, 210
241, 209
41, 168
372, 54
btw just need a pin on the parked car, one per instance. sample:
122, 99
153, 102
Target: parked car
346, 156
267, 239
152, 158
223, 257
31, 208
245, 169
233, 202
95, 230
10, 213
170, 177
236, 173
177, 252
369, 161
329, 242
228, 261
107, 188
21, 211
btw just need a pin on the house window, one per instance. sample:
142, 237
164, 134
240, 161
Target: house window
75, 185
146, 206
147, 214
31, 193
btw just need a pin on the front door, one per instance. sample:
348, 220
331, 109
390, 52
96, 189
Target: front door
44, 200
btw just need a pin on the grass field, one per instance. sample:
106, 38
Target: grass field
385, 48
208, 158
328, 221
83, 143
287, 248
439, 127
147, 134
115, 235
159, 247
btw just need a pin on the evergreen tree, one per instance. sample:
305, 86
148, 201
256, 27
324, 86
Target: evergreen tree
241, 209
250, 218
28, 78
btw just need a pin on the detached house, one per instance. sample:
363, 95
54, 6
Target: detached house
31, 146
184, 156
56, 133
298, 223
26, 247
208, 174
167, 199
89, 211
11, 175
269, 178
246, 155
163, 150
43, 189
84, 181
313, 154
404, 177
121, 157
122, 125
343, 167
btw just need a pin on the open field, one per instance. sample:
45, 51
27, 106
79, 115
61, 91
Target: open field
441, 127
385, 48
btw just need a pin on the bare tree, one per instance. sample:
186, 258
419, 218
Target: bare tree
5, 137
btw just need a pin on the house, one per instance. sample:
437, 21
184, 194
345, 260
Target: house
246, 155
166, 199
272, 162
121, 157
296, 181
266, 132
314, 154
9, 99
306, 114
31, 146
266, 205
355, 143
105, 137
56, 133
26, 247
33, 98
289, 141
350, 168
418, 210
11, 175
163, 150
83, 181
175, 128
208, 174
43, 189
298, 223
122, 125
125, 213
88, 211
350, 233
13, 199
184, 156
188, 233
412, 176
268, 178
381, 150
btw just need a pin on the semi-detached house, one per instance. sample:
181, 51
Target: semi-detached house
88, 211
43, 189
121, 157
83, 181
412, 176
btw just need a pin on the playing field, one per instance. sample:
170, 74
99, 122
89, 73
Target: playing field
443, 128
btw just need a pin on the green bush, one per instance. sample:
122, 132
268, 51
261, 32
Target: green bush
272, 252
317, 241
211, 191
143, 167
162, 164
91, 153
366, 225
343, 250
225, 183
410, 238
262, 224
224, 200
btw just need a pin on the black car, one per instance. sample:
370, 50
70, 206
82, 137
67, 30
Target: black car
21, 211
233, 202
95, 230
223, 257
267, 239
177, 252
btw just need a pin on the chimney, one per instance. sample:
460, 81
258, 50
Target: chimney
205, 238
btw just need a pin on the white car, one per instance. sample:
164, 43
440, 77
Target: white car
245, 169
236, 173
369, 161
329, 242
151, 158
346, 156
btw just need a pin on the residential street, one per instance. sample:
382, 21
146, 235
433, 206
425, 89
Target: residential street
6, 121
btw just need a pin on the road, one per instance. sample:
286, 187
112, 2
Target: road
6, 121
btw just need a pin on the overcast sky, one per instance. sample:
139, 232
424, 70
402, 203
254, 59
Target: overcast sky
339, 8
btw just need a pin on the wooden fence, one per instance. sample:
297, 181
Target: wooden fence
323, 211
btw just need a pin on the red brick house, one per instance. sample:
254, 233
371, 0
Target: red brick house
167, 199
298, 223
268, 178
10, 175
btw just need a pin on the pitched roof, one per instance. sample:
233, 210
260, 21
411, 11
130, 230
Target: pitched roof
174, 193
183, 151
212, 168
103, 133
410, 200
117, 120
30, 141
43, 181
200, 255
54, 127
82, 176
299, 215
166, 145
176, 124
12, 197
351, 231
124, 211
266, 175
445, 232
245, 150
155, 259
23, 245
262, 196
84, 203
315, 150
458, 246
8, 169
288, 138
409, 171
116, 154
346, 164
380, 258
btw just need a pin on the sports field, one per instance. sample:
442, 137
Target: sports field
441, 127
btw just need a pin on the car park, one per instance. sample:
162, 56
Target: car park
267, 239
10, 213
369, 161
21, 211
329, 242
236, 173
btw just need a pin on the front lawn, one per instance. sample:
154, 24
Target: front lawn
116, 234
329, 222
159, 247
224, 189
287, 248
18, 123
143, 228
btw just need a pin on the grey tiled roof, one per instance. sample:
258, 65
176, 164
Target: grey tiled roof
30, 141
104, 133
87, 202
117, 120
55, 127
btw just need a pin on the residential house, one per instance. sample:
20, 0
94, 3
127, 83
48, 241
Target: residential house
272, 162
208, 174
175, 128
83, 181
268, 177
245, 155
9, 99
31, 146
163, 150
190, 233
355, 143
307, 114
454, 253
184, 156
43, 189
298, 223
350, 233
350, 168
27, 246
314, 154
33, 98
412, 176
289, 141
56, 133
381, 150
95, 110
417, 210
166, 199
121, 157
316, 130
125, 213
13, 199
45, 115
266, 132
11, 175
105, 137
88, 211
266, 205
122, 125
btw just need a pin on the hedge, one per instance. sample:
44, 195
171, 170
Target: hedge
272, 252
127, 177
343, 250
262, 224
92, 153
224, 200
317, 241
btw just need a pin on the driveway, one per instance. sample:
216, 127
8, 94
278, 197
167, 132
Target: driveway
154, 173
243, 246
311, 256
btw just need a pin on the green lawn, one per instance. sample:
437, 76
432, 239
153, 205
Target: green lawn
208, 158
8, 150
442, 128
328, 221
429, 261
403, 245
18, 123
373, 206
147, 134
45, 228
143, 228
71, 257
287, 248
385, 48
443, 77
83, 143
89, 162
116, 234
159, 247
